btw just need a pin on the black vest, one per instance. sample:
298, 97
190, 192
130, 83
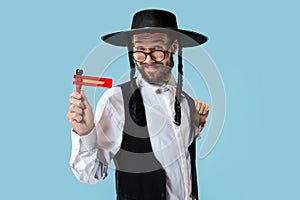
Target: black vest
139, 175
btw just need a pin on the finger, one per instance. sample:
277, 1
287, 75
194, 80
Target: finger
75, 109
76, 117
76, 102
202, 108
206, 110
69, 117
73, 118
197, 105
75, 95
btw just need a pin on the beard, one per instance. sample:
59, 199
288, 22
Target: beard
160, 75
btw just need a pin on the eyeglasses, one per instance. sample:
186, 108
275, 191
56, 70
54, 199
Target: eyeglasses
156, 55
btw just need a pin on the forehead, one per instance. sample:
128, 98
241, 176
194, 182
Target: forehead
150, 38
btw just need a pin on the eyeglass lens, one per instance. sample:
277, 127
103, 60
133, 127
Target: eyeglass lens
155, 55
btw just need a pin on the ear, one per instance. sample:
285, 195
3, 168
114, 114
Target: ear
175, 46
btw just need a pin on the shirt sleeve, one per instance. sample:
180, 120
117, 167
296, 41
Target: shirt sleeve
198, 130
91, 154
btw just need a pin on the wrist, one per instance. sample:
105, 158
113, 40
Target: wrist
84, 132
88, 130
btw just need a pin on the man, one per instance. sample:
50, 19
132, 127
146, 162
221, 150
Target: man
147, 125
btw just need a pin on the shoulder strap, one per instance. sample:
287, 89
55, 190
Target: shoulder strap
192, 147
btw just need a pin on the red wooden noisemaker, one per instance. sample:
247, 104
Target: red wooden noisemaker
90, 81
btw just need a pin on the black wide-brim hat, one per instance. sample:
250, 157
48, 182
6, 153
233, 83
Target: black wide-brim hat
155, 21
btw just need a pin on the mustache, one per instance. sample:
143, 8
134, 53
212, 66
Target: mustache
156, 64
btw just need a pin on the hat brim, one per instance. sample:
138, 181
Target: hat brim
186, 38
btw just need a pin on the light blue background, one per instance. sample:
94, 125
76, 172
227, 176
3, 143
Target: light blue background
255, 45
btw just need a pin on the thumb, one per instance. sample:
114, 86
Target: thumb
85, 100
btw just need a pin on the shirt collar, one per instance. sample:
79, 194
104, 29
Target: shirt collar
141, 82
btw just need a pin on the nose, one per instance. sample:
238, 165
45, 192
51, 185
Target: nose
149, 59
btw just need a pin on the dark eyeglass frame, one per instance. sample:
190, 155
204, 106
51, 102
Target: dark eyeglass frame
150, 54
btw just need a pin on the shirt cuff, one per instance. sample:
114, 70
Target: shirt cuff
86, 142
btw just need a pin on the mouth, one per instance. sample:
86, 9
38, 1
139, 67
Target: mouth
152, 67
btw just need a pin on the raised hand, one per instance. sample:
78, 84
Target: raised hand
80, 114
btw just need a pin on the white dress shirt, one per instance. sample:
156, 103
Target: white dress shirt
91, 154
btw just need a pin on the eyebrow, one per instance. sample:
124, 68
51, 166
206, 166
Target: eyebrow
154, 41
